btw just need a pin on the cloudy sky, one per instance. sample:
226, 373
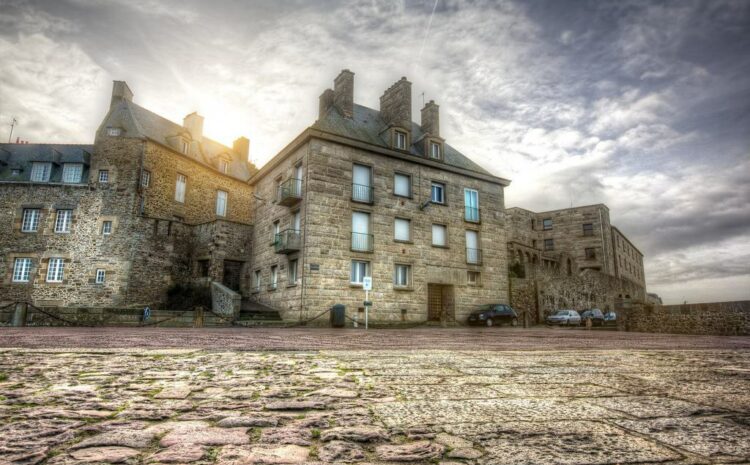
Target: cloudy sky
644, 106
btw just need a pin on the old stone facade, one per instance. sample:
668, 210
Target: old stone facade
361, 193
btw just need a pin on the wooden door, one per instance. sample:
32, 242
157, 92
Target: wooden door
434, 301
232, 273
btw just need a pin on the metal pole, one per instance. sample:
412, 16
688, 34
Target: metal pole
367, 298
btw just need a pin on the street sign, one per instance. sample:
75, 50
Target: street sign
368, 303
367, 283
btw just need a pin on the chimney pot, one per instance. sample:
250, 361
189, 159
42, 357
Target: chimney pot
431, 119
242, 146
194, 125
120, 93
343, 93
395, 104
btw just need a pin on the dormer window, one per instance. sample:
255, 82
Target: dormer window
224, 166
185, 146
72, 173
40, 172
435, 152
114, 132
400, 140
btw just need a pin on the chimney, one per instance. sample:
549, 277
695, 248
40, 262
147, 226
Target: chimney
395, 104
326, 102
120, 92
343, 93
242, 146
194, 124
431, 119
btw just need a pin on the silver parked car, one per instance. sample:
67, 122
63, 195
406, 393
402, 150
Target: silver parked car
564, 317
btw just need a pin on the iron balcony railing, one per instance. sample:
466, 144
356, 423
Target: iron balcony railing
362, 242
362, 193
471, 214
272, 286
473, 256
290, 192
287, 241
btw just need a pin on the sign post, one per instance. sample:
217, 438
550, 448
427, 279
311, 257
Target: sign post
367, 286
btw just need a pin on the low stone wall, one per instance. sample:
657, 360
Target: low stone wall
716, 318
225, 301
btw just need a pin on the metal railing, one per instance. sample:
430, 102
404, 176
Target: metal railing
362, 193
362, 242
272, 286
290, 191
473, 256
471, 214
288, 240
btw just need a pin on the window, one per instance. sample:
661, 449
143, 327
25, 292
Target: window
55, 270
439, 235
30, 221
533, 243
224, 166
549, 244
274, 276
473, 253
292, 272
402, 185
297, 221
435, 151
21, 270
179, 191
437, 194
40, 172
106, 228
547, 223
402, 276
256, 280
100, 275
63, 221
588, 229
72, 172
472, 278
590, 253
471, 205
275, 231
15, 172
361, 237
362, 183
360, 269
103, 175
402, 229
114, 132
221, 203
400, 140
145, 178
185, 147
203, 268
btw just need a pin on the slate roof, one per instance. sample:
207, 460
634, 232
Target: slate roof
366, 125
137, 121
21, 156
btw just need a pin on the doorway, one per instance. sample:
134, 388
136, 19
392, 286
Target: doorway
440, 302
232, 273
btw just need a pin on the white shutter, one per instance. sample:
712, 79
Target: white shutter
297, 221
402, 229
438, 235
361, 175
402, 185
472, 241
361, 223
221, 203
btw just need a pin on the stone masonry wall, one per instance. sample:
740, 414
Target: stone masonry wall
716, 318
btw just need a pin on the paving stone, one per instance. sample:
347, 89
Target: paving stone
174, 392
248, 421
179, 453
286, 435
104, 454
411, 452
208, 436
453, 442
296, 405
341, 452
271, 455
139, 438
362, 433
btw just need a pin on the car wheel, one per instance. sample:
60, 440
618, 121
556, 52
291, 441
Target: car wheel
514, 322
489, 322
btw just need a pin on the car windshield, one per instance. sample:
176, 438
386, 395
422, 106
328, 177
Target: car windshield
484, 308
561, 313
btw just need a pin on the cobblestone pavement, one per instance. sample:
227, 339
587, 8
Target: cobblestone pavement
60, 406
539, 338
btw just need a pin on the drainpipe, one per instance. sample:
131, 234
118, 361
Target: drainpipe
304, 241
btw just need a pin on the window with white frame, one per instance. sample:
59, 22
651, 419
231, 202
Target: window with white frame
400, 140
114, 132
435, 151
221, 203
40, 172
276, 231
472, 277
21, 270
185, 147
292, 275
360, 270
179, 190
55, 270
103, 176
100, 276
437, 192
106, 228
402, 275
63, 221
439, 235
72, 173
224, 166
274, 276
30, 222
145, 178
402, 185
402, 229
256, 279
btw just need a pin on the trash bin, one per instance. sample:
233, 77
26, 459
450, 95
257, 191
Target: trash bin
338, 316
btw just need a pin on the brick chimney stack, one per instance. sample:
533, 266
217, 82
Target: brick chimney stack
194, 124
431, 119
395, 104
120, 92
343, 93
242, 146
326, 102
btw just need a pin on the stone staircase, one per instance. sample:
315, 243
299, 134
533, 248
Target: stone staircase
257, 314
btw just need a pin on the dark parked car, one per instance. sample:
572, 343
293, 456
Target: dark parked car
610, 319
564, 317
596, 316
493, 314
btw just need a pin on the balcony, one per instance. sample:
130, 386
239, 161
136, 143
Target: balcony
362, 242
290, 192
272, 287
474, 256
287, 241
471, 214
362, 193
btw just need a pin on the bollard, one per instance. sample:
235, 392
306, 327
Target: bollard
19, 314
